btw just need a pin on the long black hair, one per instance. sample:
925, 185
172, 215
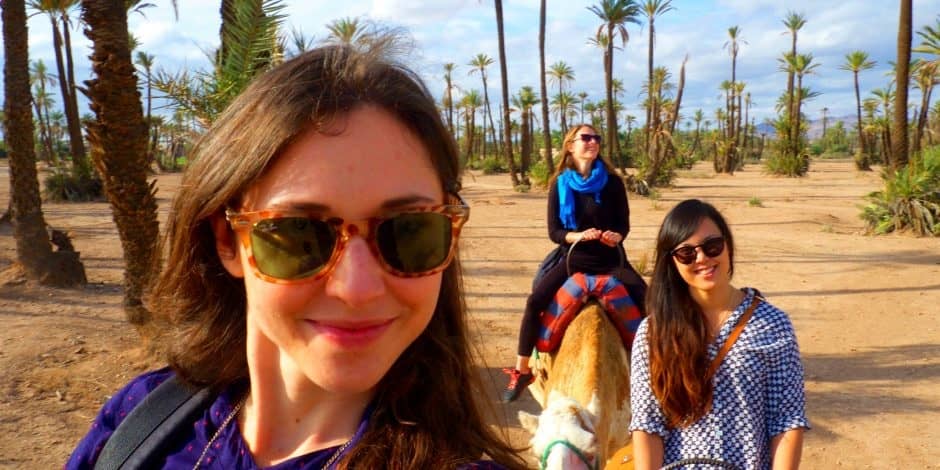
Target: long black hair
678, 336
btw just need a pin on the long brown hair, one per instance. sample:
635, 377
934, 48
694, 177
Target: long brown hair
678, 337
566, 162
425, 409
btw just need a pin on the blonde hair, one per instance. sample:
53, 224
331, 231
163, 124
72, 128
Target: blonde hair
565, 162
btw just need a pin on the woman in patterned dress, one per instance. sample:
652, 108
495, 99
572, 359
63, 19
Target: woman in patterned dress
751, 413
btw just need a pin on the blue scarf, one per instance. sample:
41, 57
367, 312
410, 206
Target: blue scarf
570, 181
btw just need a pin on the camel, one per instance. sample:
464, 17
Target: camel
584, 391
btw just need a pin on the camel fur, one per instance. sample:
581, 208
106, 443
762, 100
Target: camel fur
584, 391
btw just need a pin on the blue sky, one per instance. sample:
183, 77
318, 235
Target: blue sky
457, 30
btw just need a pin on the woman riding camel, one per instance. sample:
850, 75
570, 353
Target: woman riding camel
587, 205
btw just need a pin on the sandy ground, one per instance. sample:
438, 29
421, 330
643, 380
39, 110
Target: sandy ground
865, 310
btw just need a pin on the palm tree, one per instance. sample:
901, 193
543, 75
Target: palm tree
249, 46
855, 62
525, 101
42, 101
930, 45
480, 63
560, 72
298, 43
504, 78
59, 12
800, 65
698, 117
145, 61
899, 147
563, 104
925, 77
652, 9
582, 98
546, 128
449, 97
118, 139
794, 22
33, 248
348, 31
733, 48
614, 15
470, 103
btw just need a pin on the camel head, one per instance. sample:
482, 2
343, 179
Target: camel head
562, 425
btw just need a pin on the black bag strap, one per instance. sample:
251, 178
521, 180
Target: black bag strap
151, 425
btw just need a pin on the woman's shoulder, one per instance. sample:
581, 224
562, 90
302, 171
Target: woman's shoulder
112, 413
770, 320
128, 397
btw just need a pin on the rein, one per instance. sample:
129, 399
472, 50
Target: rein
571, 447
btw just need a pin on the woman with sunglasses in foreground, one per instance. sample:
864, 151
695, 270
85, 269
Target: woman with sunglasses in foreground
587, 205
311, 281
691, 396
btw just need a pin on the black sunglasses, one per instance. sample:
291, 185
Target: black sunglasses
288, 247
586, 138
711, 248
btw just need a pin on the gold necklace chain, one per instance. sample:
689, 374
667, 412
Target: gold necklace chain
222, 426
228, 419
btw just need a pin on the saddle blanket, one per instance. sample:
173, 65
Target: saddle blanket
577, 290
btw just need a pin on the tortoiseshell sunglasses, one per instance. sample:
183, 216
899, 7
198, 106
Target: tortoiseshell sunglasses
294, 246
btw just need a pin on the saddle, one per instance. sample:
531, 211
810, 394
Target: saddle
578, 290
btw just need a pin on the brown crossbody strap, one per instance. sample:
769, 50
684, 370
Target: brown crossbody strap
713, 367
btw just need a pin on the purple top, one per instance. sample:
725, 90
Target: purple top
229, 449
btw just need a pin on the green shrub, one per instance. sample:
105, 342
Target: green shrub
755, 202
540, 173
65, 184
787, 165
910, 200
839, 148
492, 166
816, 149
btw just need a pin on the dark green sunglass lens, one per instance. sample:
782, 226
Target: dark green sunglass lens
414, 243
713, 247
292, 247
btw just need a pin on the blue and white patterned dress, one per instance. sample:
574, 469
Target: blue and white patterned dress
758, 393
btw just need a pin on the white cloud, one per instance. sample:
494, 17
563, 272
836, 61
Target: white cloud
456, 30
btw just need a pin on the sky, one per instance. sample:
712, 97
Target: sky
457, 30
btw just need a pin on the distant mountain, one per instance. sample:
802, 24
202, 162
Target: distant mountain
815, 126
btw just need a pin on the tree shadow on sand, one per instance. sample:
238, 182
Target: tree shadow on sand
862, 385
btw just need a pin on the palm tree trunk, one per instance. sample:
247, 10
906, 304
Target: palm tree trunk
609, 83
858, 114
899, 148
649, 85
45, 133
33, 248
489, 114
118, 140
76, 144
507, 135
75, 124
797, 104
922, 116
546, 128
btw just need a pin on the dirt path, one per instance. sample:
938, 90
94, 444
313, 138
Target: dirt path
865, 311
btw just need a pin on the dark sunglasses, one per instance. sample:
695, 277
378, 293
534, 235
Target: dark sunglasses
288, 247
586, 138
711, 248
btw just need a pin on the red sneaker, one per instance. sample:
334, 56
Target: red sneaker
517, 383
